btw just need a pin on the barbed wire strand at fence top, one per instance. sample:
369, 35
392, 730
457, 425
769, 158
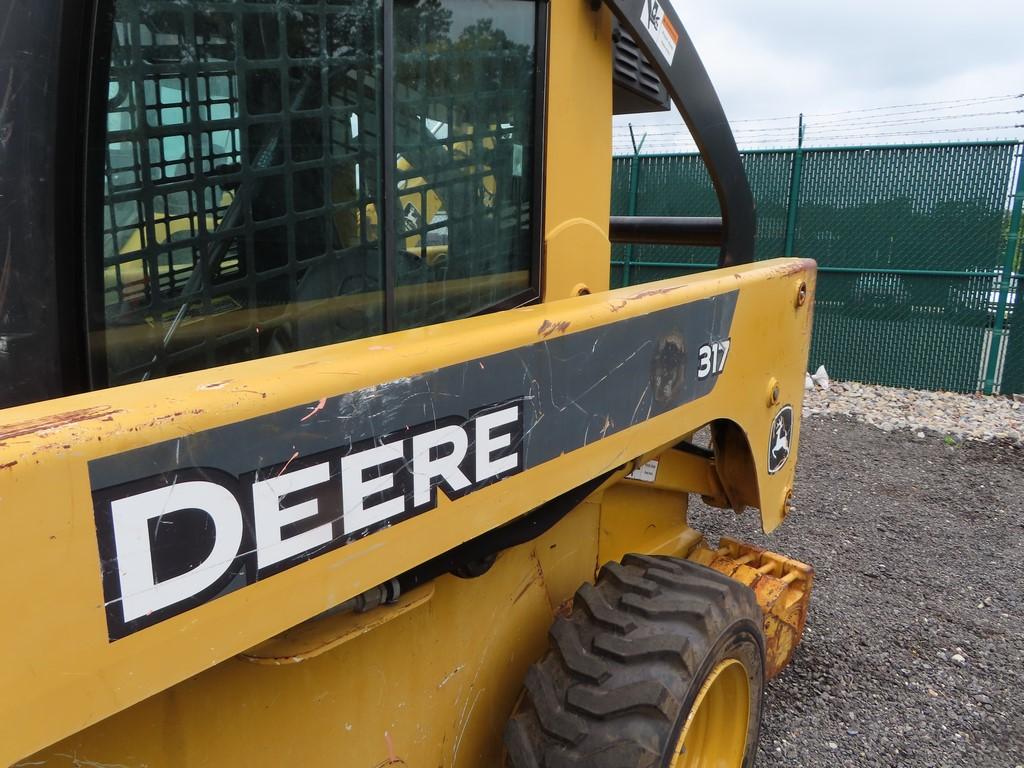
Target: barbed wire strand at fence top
686, 143
1008, 132
661, 129
862, 127
832, 142
819, 137
874, 117
653, 128
936, 105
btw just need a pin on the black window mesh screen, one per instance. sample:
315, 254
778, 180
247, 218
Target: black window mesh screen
244, 170
876, 220
242, 158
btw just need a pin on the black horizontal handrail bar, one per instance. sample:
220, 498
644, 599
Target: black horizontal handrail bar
667, 230
658, 31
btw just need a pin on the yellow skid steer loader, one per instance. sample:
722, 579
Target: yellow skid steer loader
324, 440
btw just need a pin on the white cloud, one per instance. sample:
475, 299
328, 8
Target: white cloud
791, 56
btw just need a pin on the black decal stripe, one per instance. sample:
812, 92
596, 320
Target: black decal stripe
569, 391
578, 388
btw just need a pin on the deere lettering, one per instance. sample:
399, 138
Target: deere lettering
174, 541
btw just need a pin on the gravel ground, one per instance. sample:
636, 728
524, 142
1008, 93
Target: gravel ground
948, 413
914, 649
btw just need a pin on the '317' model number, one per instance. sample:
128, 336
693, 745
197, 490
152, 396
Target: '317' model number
711, 358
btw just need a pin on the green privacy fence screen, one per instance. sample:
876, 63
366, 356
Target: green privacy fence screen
1012, 378
912, 244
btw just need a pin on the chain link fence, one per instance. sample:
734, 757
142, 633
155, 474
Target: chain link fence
919, 260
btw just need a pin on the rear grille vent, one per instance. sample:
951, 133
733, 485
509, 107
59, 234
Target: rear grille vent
637, 87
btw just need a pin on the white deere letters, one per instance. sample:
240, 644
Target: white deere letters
357, 487
270, 517
140, 592
277, 517
425, 469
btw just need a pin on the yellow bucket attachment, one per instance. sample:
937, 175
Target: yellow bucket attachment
783, 589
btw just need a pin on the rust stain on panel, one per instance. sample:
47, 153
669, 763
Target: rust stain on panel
794, 267
39, 426
547, 328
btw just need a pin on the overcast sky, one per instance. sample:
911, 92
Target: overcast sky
782, 57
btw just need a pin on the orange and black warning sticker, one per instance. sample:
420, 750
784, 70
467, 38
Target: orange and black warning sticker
660, 26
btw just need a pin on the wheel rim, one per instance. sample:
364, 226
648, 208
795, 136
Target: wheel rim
715, 733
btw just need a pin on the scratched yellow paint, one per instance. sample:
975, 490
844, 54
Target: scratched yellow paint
69, 676
434, 685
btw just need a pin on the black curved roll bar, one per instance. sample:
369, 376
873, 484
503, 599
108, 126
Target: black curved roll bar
656, 28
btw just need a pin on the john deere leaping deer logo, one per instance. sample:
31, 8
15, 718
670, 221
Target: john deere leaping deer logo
779, 442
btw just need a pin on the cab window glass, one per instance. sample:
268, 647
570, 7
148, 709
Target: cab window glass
463, 116
244, 175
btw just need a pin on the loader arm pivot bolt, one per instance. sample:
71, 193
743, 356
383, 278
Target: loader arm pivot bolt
801, 295
581, 289
773, 391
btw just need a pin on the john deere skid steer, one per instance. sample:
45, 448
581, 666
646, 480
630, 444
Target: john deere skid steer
324, 440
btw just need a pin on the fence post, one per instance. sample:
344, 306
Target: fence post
634, 188
1005, 279
794, 189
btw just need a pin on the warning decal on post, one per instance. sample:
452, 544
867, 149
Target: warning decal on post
661, 28
647, 473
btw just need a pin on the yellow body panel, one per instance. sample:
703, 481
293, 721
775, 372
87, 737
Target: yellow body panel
643, 520
432, 687
69, 675
579, 152
429, 682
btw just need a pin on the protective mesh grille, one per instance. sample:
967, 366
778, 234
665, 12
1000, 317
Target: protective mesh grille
241, 162
245, 170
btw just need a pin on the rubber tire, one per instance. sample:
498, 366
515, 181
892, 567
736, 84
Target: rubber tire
624, 668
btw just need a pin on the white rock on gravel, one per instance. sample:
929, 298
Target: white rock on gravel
820, 377
961, 417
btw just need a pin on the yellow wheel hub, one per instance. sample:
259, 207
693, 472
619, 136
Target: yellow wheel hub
715, 733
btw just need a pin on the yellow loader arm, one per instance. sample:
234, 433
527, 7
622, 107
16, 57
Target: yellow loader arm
251, 450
